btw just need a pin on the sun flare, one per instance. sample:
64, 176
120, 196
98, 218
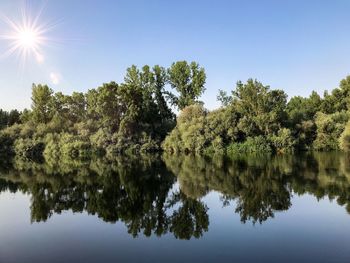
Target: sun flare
26, 37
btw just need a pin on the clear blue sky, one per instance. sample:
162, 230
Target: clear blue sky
296, 45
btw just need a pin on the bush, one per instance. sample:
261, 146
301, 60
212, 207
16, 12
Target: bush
66, 146
200, 131
76, 149
188, 135
283, 141
74, 146
172, 142
257, 144
52, 151
101, 139
329, 129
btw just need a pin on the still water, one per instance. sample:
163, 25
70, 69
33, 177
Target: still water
177, 209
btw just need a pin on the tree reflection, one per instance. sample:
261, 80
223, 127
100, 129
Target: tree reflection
141, 192
132, 190
190, 219
259, 189
260, 186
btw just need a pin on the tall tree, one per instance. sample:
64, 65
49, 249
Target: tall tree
160, 79
41, 103
188, 80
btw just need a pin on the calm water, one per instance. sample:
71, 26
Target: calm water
177, 209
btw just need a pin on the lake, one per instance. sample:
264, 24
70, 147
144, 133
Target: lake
284, 208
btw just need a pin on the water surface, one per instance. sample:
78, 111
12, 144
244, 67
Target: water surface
177, 209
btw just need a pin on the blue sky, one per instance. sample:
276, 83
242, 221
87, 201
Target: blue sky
297, 46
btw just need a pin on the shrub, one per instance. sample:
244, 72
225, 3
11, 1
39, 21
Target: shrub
199, 131
283, 141
258, 144
74, 146
101, 139
66, 146
329, 129
52, 150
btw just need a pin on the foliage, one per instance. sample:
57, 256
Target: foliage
262, 110
283, 141
135, 116
8, 119
329, 129
258, 144
344, 140
42, 103
29, 148
197, 130
301, 109
188, 80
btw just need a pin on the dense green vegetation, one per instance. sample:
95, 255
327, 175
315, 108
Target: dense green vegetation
254, 118
136, 116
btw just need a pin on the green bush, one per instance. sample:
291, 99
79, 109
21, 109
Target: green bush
66, 146
76, 149
74, 146
200, 131
283, 141
257, 144
52, 151
329, 129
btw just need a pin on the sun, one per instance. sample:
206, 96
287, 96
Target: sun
26, 37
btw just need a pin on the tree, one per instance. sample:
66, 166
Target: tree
3, 119
77, 107
224, 98
329, 129
303, 109
262, 110
188, 80
41, 103
108, 105
14, 117
160, 79
338, 100
9, 118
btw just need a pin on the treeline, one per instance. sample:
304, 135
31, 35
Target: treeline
133, 116
254, 118
136, 116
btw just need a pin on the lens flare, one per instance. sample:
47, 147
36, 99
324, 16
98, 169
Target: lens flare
26, 37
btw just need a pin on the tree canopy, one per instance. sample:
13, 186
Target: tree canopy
136, 116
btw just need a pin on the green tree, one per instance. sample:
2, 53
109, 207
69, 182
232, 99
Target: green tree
188, 80
42, 103
262, 110
224, 98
